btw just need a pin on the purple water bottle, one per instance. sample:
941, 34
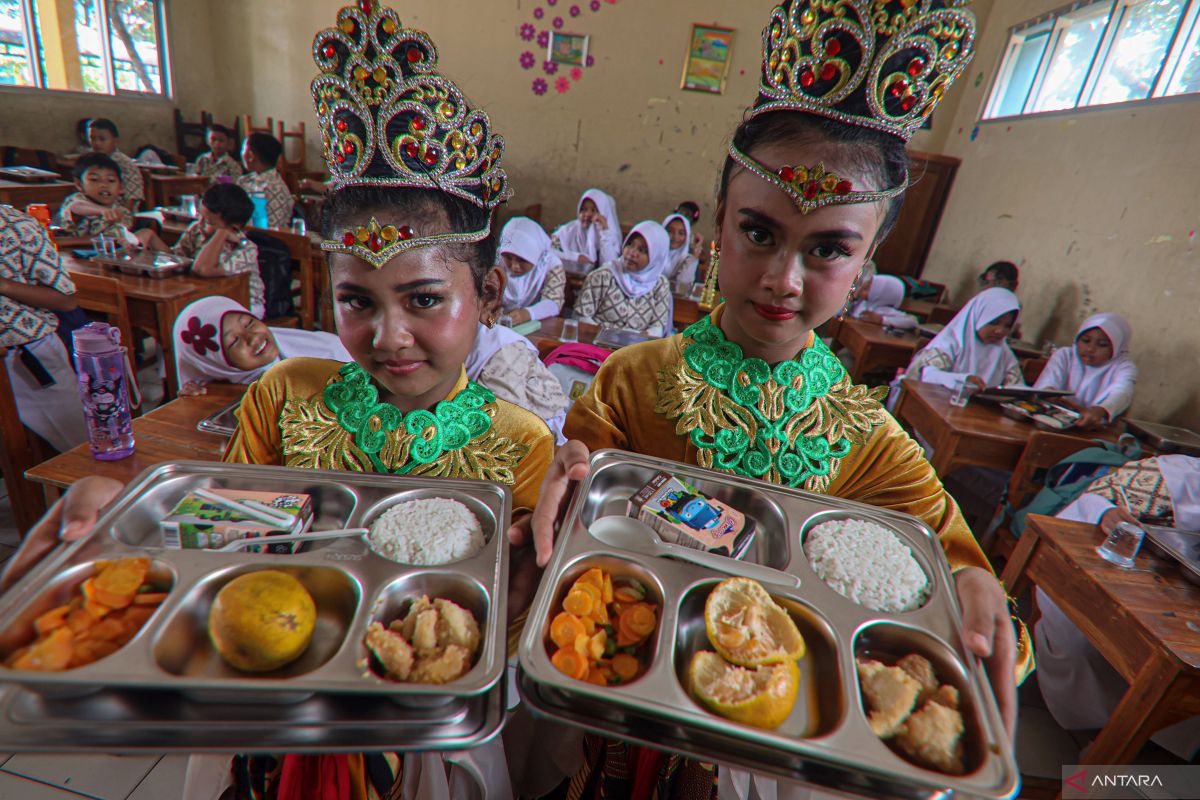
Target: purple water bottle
104, 385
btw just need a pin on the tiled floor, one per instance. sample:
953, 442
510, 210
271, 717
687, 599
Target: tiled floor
59, 777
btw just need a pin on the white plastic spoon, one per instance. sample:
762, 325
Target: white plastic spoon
628, 533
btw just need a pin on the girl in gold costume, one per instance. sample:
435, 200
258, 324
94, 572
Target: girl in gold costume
813, 182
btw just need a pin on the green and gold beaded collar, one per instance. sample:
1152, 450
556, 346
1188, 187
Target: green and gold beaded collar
790, 424
349, 427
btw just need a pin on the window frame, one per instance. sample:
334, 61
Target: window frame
1186, 26
33, 39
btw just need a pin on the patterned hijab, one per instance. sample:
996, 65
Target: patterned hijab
199, 357
658, 243
524, 238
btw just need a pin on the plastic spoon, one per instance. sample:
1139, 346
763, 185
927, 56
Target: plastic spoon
628, 533
294, 537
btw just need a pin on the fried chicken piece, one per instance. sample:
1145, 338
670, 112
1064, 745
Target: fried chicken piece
922, 672
425, 633
449, 664
890, 693
457, 626
407, 626
946, 695
932, 737
392, 651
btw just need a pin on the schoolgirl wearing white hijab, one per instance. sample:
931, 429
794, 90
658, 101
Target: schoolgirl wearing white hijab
684, 258
973, 347
594, 237
218, 339
537, 284
632, 292
879, 301
507, 363
1097, 370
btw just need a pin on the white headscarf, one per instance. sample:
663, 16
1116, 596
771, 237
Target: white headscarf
886, 292
679, 254
200, 357
1091, 385
524, 238
658, 243
574, 238
990, 362
488, 342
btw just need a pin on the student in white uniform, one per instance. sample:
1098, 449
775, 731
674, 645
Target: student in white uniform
973, 347
878, 301
593, 237
1096, 369
537, 284
632, 292
684, 258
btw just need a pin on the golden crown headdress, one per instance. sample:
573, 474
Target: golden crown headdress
389, 119
880, 64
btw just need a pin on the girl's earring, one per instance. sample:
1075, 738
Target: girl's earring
711, 294
849, 298
491, 322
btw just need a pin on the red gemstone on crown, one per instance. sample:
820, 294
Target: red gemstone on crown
487, 164
786, 174
417, 124
413, 55
348, 238
365, 5
405, 233
374, 242
811, 189
340, 158
832, 48
348, 148
915, 66
411, 150
341, 125
329, 51
807, 78
899, 88
843, 187
828, 72
907, 103
431, 156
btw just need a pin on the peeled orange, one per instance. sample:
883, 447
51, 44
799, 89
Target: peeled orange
262, 620
747, 627
761, 697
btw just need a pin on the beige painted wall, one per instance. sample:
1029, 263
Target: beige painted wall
46, 120
1097, 207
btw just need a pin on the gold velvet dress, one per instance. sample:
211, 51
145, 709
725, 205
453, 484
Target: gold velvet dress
695, 398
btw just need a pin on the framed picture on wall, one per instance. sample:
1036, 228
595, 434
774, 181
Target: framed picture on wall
568, 48
707, 62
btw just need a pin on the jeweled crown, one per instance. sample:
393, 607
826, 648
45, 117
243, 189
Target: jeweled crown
388, 118
882, 64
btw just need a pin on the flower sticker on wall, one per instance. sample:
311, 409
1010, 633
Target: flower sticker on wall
539, 86
527, 60
558, 22
574, 47
576, 73
561, 85
543, 39
594, 5
574, 11
527, 31
549, 67
538, 13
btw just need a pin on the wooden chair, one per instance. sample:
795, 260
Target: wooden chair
19, 454
1031, 368
248, 127
190, 136
105, 297
301, 251
1043, 450
293, 143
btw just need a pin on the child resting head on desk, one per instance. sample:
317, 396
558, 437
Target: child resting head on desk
1096, 369
218, 339
878, 301
536, 286
95, 210
973, 347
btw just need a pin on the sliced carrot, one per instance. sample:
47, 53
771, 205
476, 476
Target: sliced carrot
600, 613
607, 589
106, 630
581, 644
625, 666
626, 594
593, 577
597, 677
149, 598
117, 584
578, 602
54, 618
564, 628
641, 619
50, 654
626, 637
596, 644
80, 620
570, 663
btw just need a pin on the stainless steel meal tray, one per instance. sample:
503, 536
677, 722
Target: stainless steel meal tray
1166, 438
147, 266
826, 740
157, 722
1180, 545
351, 585
222, 422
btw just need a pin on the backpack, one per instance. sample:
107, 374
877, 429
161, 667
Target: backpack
275, 269
575, 365
917, 289
1070, 478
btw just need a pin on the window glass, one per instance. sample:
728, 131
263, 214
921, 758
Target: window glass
1137, 51
89, 38
1187, 74
1076, 38
16, 68
1025, 60
133, 36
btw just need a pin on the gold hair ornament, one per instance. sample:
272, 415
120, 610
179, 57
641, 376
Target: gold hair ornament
811, 188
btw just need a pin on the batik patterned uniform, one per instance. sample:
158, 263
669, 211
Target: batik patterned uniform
238, 255
602, 301
552, 296
279, 198
224, 167
944, 362
132, 187
93, 224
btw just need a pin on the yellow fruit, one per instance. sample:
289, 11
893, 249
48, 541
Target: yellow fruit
262, 620
747, 627
761, 697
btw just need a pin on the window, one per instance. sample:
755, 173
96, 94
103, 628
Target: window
1098, 52
103, 46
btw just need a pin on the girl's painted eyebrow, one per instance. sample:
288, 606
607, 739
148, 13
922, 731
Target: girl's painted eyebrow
398, 289
768, 221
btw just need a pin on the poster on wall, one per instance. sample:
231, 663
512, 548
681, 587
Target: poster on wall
568, 48
707, 62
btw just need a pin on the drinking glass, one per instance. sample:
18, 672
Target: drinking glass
962, 393
189, 169
299, 227
1122, 545
570, 331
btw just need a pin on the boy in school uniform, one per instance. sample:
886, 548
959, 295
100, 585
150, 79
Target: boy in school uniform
104, 138
95, 210
260, 155
33, 285
219, 161
217, 244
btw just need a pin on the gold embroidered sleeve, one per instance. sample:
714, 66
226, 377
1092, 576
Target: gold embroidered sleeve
256, 439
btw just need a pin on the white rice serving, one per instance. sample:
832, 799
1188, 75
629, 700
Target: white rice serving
427, 532
867, 563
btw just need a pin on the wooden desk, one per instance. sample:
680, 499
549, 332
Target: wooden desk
874, 349
165, 188
155, 303
1143, 622
168, 433
548, 337
978, 434
19, 195
687, 312
929, 311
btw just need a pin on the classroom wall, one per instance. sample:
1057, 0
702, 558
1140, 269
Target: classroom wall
1099, 209
46, 120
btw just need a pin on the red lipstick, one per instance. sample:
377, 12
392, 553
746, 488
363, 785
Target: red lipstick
774, 313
